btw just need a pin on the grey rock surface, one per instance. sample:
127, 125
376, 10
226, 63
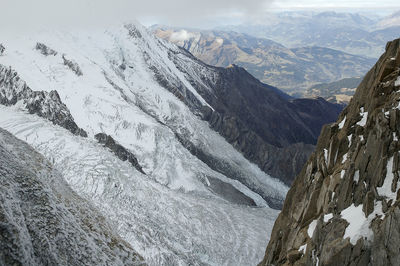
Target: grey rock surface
44, 104
343, 209
45, 50
119, 150
72, 65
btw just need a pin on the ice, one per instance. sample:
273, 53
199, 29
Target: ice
397, 82
171, 215
386, 188
164, 225
303, 248
311, 228
349, 139
358, 223
364, 117
326, 155
341, 124
131, 106
356, 176
327, 217
344, 159
342, 173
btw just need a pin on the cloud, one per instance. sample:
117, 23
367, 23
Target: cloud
26, 14
53, 13
181, 35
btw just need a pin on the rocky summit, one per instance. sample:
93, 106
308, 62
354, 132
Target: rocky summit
344, 208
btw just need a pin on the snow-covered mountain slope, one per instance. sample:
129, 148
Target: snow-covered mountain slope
43, 222
127, 67
130, 105
196, 202
166, 226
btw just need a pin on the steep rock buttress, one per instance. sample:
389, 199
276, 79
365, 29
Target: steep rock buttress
344, 208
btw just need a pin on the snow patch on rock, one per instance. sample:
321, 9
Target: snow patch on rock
364, 117
311, 228
341, 124
386, 188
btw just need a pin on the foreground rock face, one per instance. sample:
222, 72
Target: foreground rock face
43, 222
344, 208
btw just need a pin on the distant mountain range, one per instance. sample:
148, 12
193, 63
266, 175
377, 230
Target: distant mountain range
292, 70
349, 32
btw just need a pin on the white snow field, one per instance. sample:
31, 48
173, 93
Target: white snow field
170, 216
167, 227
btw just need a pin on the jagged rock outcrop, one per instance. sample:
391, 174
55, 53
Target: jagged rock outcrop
344, 207
44, 104
121, 152
43, 222
45, 50
2, 49
72, 65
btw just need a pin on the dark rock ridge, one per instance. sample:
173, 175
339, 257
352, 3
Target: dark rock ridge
72, 65
260, 121
43, 222
263, 125
44, 104
45, 50
2, 49
344, 207
122, 153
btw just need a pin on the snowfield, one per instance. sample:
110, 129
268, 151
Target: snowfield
181, 212
167, 227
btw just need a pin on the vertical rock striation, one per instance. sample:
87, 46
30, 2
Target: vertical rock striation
344, 208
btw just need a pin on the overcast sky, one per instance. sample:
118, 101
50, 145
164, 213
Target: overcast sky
29, 13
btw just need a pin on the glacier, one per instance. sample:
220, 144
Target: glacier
177, 213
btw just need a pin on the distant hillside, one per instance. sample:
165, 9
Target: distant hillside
292, 70
339, 91
349, 32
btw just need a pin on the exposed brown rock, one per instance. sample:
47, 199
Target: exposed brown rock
351, 167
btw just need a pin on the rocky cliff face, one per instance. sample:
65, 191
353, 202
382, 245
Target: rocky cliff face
45, 104
264, 125
344, 208
43, 222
